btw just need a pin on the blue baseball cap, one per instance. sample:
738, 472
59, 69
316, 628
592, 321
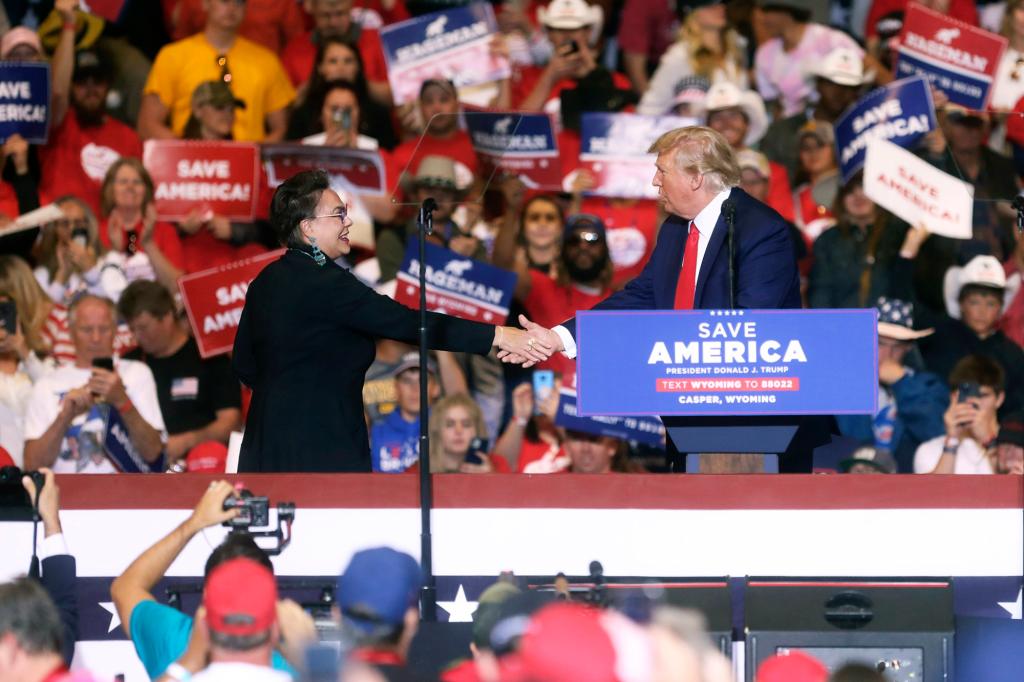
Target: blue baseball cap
584, 221
378, 587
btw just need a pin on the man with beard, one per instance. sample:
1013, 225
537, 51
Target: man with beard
84, 140
583, 279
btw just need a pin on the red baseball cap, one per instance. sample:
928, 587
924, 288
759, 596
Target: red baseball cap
792, 666
240, 598
210, 456
566, 642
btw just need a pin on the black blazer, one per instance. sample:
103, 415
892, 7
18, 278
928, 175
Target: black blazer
305, 340
59, 578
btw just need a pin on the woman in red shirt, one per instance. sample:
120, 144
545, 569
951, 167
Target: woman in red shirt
151, 249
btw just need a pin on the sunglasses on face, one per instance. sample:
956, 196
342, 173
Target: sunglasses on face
580, 238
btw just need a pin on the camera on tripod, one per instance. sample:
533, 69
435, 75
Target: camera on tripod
254, 513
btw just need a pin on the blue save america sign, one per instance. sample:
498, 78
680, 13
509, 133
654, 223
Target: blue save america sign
727, 362
454, 44
25, 100
456, 285
520, 144
613, 147
646, 430
901, 112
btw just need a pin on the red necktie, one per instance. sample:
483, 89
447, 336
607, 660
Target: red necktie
687, 285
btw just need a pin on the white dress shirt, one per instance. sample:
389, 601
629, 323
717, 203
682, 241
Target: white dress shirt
706, 221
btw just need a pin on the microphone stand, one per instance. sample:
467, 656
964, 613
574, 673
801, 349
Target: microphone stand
428, 593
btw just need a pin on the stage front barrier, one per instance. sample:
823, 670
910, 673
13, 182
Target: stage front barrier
642, 528
730, 381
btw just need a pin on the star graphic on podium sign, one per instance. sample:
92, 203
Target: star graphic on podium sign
115, 619
1015, 608
461, 610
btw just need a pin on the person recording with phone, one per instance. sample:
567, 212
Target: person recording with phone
67, 414
458, 439
307, 336
972, 424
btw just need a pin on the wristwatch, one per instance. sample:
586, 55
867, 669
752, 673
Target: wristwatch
950, 446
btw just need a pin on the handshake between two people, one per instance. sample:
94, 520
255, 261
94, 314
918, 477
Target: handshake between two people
527, 346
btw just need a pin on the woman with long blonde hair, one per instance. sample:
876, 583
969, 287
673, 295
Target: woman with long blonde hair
707, 46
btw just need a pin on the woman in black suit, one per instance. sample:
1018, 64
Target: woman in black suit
307, 336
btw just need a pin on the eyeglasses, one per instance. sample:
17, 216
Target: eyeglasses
578, 238
340, 214
225, 71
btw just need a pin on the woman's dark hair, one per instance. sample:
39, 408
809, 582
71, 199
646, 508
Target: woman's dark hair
331, 86
547, 198
295, 200
317, 82
107, 188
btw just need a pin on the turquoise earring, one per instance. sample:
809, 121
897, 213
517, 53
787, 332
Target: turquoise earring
318, 255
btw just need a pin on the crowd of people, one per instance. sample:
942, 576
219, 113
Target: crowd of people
772, 78
245, 629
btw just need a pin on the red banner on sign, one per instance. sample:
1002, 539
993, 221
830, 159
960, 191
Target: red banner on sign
214, 300
363, 169
219, 176
108, 9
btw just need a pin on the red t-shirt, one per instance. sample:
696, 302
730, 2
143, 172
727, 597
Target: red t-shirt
632, 229
164, 234
458, 148
541, 457
76, 158
202, 251
549, 305
499, 465
780, 194
271, 23
524, 79
299, 57
1012, 322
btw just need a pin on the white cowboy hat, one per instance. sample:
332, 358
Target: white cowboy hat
983, 271
725, 95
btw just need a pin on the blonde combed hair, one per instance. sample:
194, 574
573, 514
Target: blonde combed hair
702, 151
32, 303
703, 60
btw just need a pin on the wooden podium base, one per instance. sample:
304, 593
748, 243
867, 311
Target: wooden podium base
731, 463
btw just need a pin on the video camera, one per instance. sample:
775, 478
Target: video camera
15, 504
254, 513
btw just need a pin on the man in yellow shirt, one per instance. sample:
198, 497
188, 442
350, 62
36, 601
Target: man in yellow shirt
254, 74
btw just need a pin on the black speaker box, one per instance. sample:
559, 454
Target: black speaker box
902, 628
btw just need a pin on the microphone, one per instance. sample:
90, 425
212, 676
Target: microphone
426, 217
597, 595
729, 211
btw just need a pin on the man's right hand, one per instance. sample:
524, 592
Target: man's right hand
210, 510
76, 401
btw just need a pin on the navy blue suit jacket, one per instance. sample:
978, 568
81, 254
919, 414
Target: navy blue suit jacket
765, 265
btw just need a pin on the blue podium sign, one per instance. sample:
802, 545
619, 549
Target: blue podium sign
727, 362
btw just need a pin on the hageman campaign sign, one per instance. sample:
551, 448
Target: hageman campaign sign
646, 430
959, 59
214, 300
456, 285
454, 44
613, 147
220, 176
25, 100
521, 144
362, 169
901, 112
727, 362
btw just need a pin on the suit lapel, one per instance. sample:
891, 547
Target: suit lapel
710, 254
673, 263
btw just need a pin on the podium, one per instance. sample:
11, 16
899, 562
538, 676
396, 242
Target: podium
733, 387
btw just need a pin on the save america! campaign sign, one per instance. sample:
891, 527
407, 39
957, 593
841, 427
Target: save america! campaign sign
727, 362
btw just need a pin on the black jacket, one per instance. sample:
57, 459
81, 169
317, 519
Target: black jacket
305, 340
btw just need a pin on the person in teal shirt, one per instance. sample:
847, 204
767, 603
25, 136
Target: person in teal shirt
160, 632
